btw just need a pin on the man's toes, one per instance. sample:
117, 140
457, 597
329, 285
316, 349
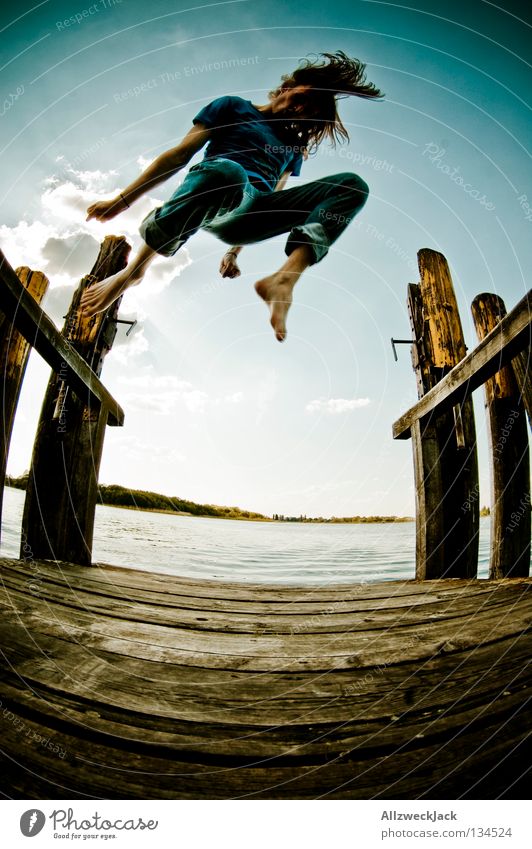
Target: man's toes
279, 328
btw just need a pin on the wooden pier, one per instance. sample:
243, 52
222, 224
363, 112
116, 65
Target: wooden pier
122, 684
118, 683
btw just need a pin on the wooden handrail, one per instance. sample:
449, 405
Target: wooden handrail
33, 323
511, 336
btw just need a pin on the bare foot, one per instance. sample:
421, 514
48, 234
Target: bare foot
276, 290
98, 296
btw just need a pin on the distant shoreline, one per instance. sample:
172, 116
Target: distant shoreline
359, 520
181, 513
114, 495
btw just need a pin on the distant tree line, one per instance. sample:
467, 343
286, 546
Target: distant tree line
18, 483
279, 517
120, 496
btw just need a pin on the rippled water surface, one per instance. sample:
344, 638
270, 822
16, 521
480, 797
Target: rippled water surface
266, 552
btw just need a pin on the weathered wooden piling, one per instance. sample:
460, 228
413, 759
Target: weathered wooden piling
522, 369
444, 444
509, 455
521, 364
62, 488
14, 353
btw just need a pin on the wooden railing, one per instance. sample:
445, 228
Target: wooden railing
497, 349
441, 425
62, 487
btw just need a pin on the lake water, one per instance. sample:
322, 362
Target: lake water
225, 549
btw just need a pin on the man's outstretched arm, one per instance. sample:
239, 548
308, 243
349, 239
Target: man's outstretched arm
161, 169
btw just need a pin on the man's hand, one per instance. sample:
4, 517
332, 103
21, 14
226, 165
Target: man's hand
104, 210
229, 266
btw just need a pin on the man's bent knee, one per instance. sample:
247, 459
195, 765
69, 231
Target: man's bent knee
352, 181
222, 172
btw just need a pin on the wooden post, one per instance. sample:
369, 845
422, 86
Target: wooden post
510, 476
58, 519
427, 469
444, 444
14, 353
522, 369
521, 364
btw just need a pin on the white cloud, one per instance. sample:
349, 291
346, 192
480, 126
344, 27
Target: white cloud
163, 394
91, 180
68, 202
235, 398
160, 274
127, 347
143, 163
334, 406
23, 243
64, 245
72, 255
133, 449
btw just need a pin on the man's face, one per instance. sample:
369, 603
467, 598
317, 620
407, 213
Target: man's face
295, 102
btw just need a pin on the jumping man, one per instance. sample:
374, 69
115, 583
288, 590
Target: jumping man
235, 192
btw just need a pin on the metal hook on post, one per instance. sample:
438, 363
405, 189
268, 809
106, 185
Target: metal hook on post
399, 342
110, 331
123, 321
120, 321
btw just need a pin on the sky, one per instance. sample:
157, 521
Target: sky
216, 410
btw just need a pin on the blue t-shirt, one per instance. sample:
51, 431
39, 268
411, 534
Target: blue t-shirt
244, 135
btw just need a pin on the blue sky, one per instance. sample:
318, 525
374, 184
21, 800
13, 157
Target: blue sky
217, 410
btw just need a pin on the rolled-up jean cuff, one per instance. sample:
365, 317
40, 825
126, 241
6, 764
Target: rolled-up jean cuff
156, 238
313, 234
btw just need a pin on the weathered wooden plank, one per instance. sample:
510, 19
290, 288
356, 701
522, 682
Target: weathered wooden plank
219, 721
167, 698
236, 728
95, 765
147, 601
207, 589
35, 326
163, 692
261, 621
268, 653
19, 588
62, 488
503, 344
14, 353
509, 456
265, 652
217, 596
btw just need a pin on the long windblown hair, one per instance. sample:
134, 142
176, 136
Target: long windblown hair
335, 78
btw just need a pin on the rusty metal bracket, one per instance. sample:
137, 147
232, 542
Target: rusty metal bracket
399, 342
124, 321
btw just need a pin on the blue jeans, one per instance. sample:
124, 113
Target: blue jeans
217, 196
